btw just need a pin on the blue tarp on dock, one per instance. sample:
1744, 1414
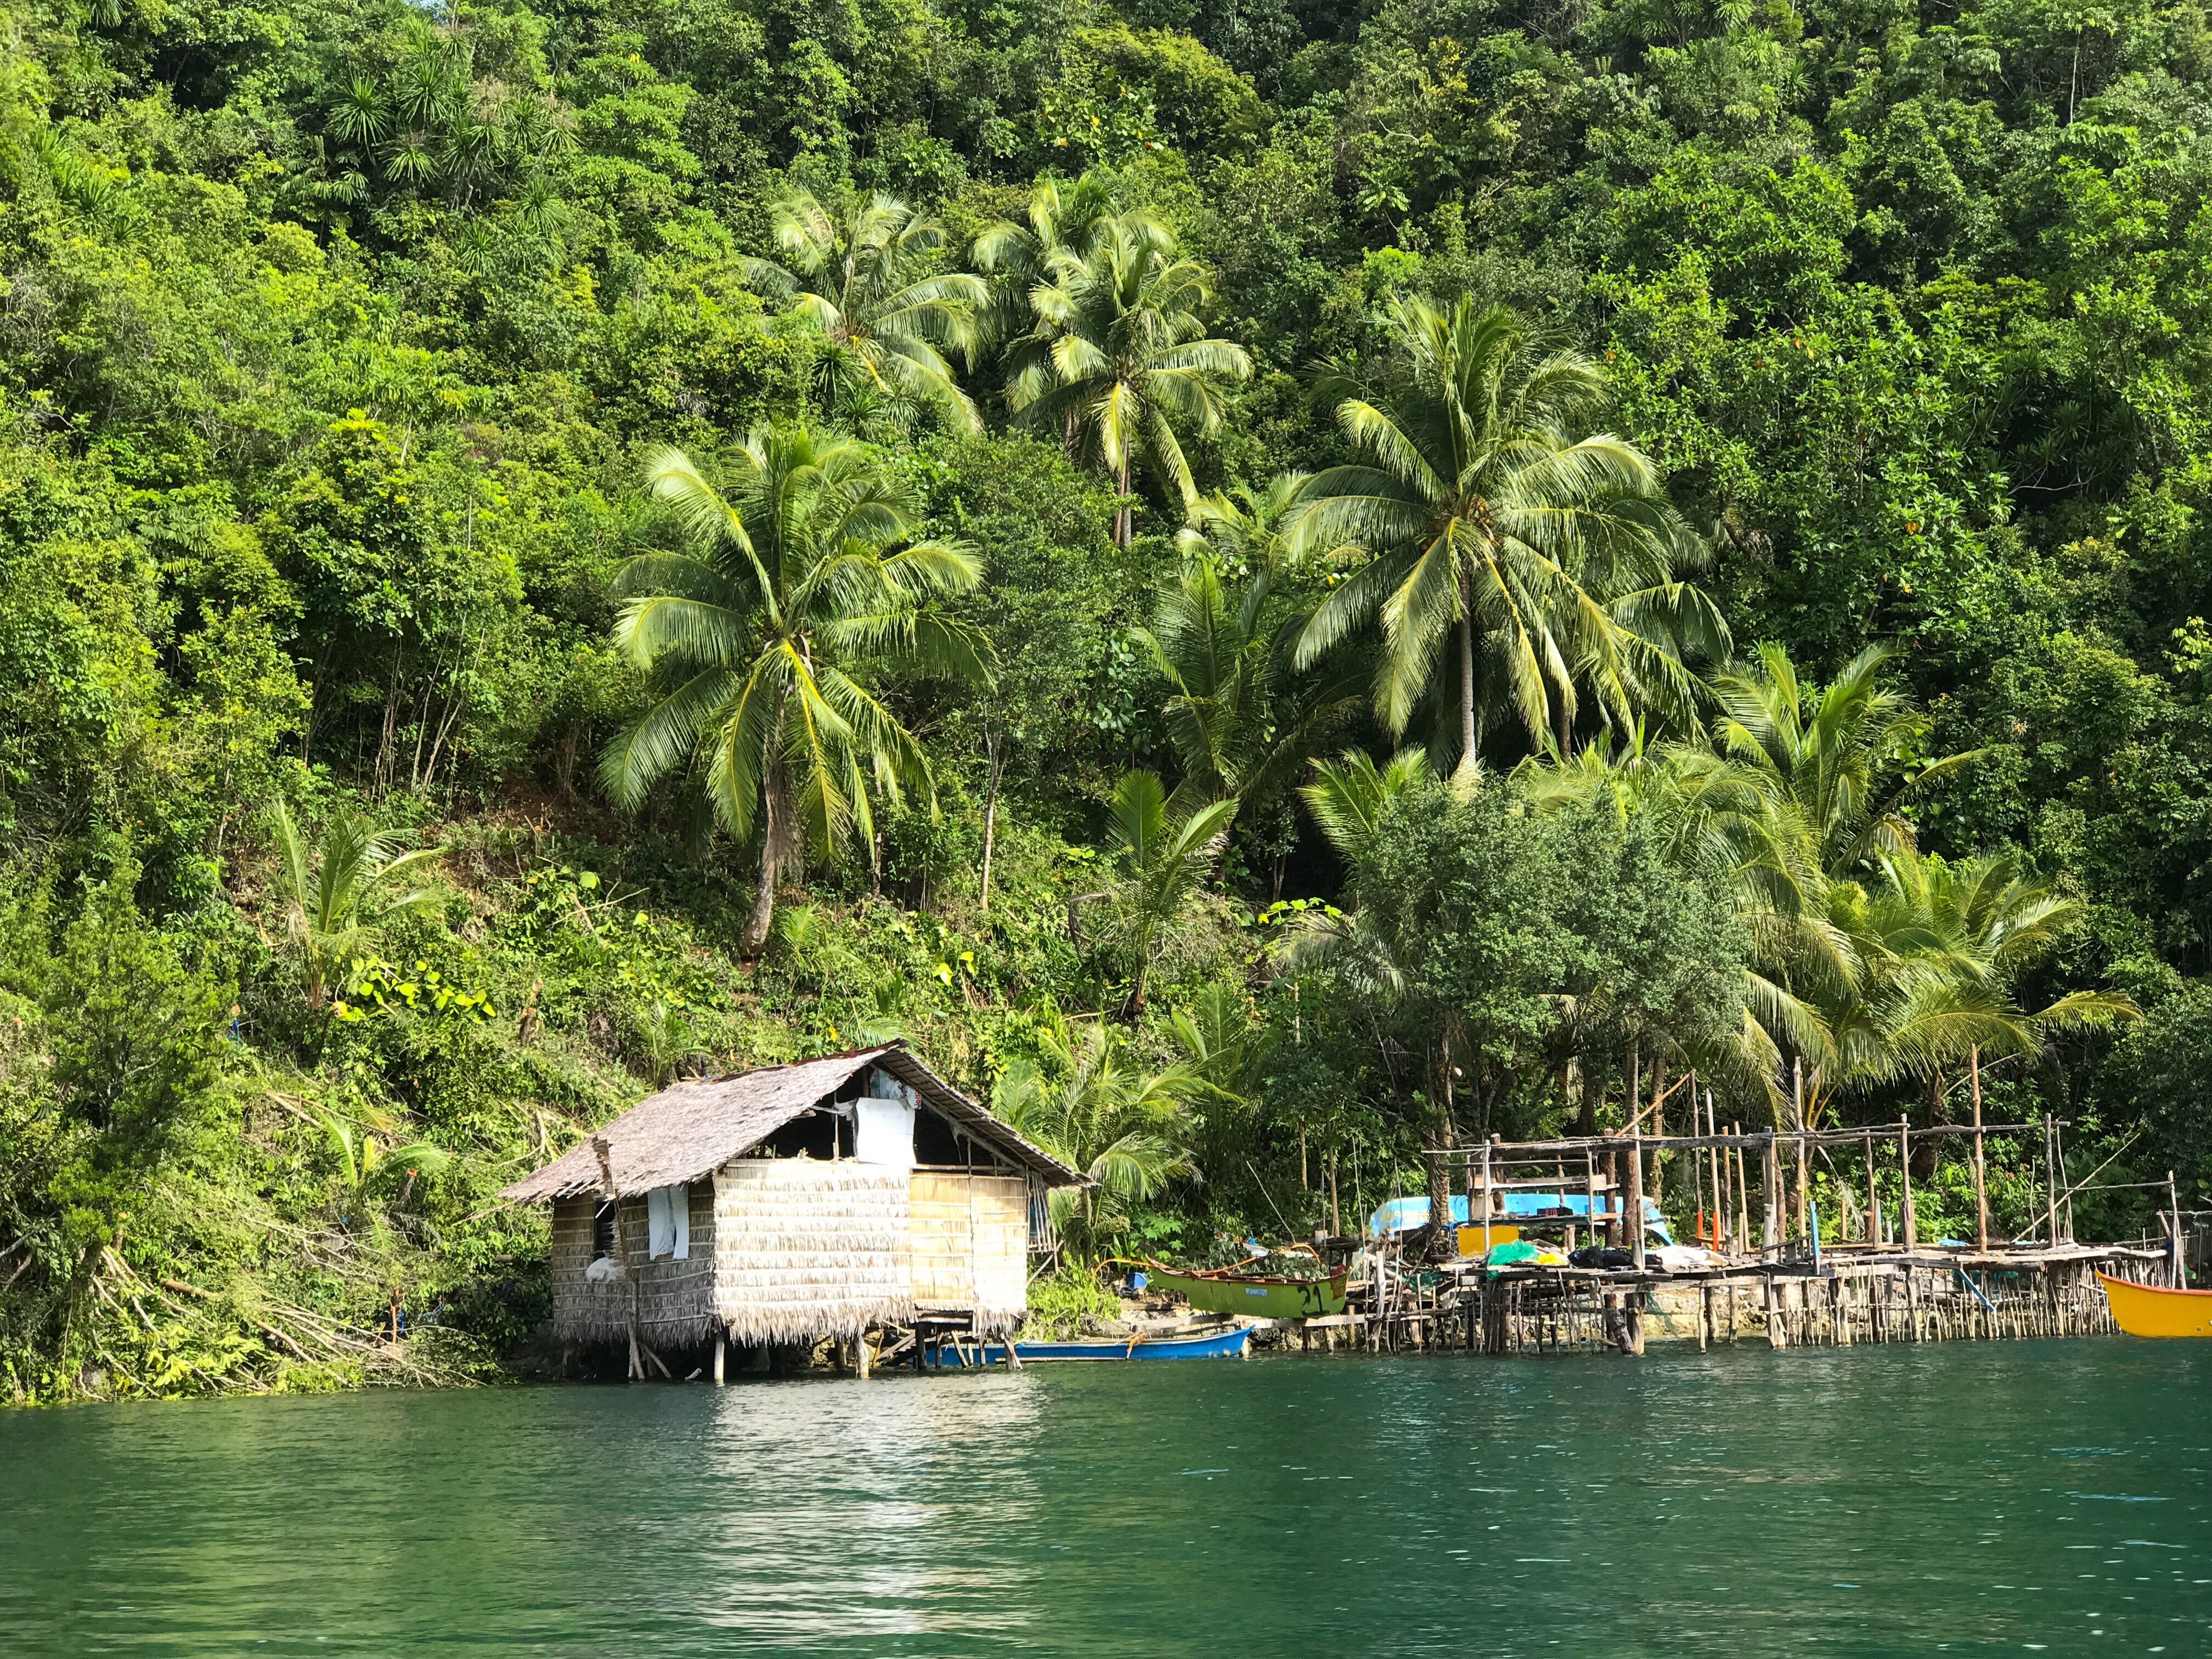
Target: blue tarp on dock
1402, 1215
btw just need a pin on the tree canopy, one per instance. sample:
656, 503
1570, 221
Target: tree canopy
1270, 578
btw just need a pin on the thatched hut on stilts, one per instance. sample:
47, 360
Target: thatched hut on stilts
775, 1207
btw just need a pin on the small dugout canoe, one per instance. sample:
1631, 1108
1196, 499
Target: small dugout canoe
1254, 1296
1232, 1344
2157, 1310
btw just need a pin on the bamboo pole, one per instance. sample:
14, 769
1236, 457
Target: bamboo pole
1720, 1201
2051, 1182
1742, 1195
1770, 1192
1797, 1109
1874, 1200
1635, 1217
2174, 1206
1981, 1189
1484, 1200
1905, 1166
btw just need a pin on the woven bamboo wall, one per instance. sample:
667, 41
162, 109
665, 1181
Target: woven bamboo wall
675, 1299
971, 1240
810, 1249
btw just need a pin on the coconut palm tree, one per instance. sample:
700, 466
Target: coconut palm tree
1127, 1128
1165, 853
1240, 722
804, 588
863, 276
1246, 527
1869, 963
1119, 357
337, 896
1485, 510
1944, 945
1064, 219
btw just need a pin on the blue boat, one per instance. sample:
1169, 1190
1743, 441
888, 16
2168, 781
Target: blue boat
953, 1354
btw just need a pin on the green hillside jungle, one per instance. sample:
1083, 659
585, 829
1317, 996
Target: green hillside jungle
1275, 587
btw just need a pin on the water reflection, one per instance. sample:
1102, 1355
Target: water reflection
1863, 1501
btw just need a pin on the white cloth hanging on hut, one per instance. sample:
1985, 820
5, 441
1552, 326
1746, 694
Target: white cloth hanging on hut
885, 1133
668, 1223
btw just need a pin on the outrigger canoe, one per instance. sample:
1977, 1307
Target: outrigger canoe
1254, 1296
1232, 1344
2157, 1310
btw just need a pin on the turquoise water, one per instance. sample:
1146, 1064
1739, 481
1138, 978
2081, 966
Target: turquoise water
1970, 1496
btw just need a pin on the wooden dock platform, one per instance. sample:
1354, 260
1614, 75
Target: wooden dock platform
1849, 1297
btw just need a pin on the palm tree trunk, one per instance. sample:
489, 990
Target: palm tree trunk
1466, 738
777, 855
1124, 526
995, 750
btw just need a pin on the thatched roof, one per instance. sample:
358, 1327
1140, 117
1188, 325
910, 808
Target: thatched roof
695, 1127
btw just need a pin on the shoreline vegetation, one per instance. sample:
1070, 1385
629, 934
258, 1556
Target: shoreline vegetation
1281, 590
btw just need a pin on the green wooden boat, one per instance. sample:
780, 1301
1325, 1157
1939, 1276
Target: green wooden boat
1256, 1296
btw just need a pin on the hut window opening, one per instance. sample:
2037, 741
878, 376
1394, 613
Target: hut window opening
668, 1223
603, 1229
935, 1144
811, 1135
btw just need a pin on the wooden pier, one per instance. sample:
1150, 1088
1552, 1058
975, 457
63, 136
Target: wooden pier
1765, 1273
1959, 1297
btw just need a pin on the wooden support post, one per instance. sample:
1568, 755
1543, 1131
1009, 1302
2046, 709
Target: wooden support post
864, 1361
1743, 1192
1653, 1183
1905, 1168
1797, 1115
2174, 1208
1981, 1189
1720, 1194
1488, 1199
1777, 1335
1770, 1222
1874, 1199
721, 1347
1634, 1219
2050, 1182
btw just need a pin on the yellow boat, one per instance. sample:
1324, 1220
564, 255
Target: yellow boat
2157, 1310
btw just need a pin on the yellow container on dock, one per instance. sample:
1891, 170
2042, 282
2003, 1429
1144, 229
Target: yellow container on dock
1474, 1241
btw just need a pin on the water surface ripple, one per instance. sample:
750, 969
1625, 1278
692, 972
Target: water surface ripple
2023, 1497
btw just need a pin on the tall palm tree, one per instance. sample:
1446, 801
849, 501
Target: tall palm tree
1869, 963
1945, 945
1126, 1128
1063, 222
1485, 509
1119, 355
1164, 851
766, 643
1240, 722
337, 896
864, 277
1246, 526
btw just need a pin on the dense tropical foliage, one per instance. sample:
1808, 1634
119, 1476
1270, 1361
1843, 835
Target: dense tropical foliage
1266, 582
